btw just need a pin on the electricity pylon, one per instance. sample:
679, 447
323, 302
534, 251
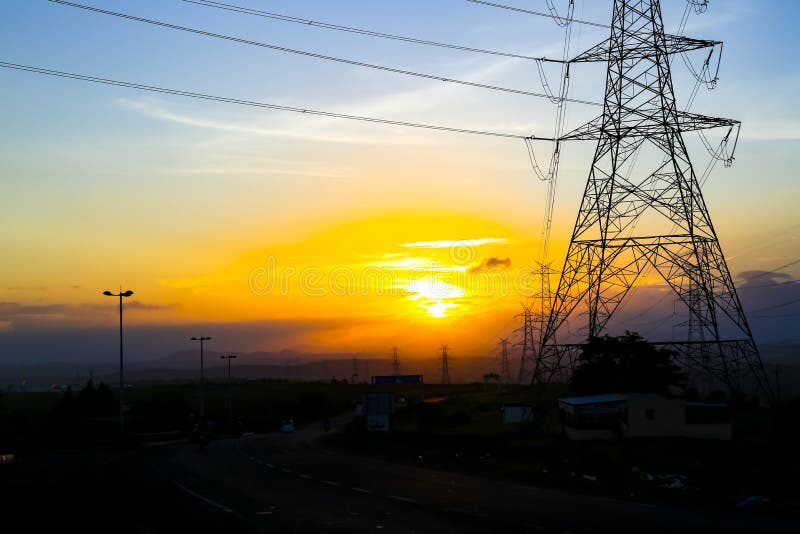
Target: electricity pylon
445, 366
527, 360
635, 221
354, 376
395, 362
505, 368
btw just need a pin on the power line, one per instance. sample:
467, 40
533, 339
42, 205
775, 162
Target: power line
359, 31
228, 100
775, 307
538, 13
309, 54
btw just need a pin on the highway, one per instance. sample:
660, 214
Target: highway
286, 483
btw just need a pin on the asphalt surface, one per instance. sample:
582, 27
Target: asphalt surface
285, 483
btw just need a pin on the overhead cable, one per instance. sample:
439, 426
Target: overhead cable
228, 100
309, 54
360, 31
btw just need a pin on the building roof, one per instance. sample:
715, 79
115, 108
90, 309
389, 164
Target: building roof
603, 399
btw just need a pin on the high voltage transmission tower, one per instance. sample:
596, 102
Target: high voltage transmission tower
395, 362
527, 360
445, 366
634, 222
505, 368
354, 376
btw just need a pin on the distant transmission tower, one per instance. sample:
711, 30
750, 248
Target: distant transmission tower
445, 366
395, 362
354, 376
634, 221
505, 369
527, 360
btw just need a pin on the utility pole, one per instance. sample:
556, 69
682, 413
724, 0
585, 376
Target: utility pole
121, 295
445, 366
395, 362
229, 397
202, 377
643, 212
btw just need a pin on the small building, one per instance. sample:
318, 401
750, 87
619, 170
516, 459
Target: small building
617, 415
517, 413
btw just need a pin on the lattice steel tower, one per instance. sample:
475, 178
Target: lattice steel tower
505, 368
445, 366
395, 362
642, 211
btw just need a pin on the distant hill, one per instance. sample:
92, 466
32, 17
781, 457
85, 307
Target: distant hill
294, 365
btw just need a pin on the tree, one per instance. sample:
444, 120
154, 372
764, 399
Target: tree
625, 364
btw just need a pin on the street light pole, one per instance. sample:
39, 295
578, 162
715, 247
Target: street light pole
121, 294
230, 397
202, 378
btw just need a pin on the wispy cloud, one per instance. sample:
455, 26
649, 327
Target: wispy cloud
159, 111
452, 243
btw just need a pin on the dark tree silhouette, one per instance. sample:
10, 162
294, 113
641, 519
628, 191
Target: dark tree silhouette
625, 364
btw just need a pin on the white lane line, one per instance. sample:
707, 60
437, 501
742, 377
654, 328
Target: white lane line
286, 470
330, 482
259, 461
206, 500
403, 499
271, 466
265, 512
361, 490
307, 477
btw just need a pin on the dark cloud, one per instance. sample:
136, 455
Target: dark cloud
11, 310
491, 264
33, 342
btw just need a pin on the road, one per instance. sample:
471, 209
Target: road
285, 483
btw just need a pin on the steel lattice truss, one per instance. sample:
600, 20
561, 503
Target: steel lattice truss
638, 219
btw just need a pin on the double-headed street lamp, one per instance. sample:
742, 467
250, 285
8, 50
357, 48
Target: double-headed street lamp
202, 378
230, 397
121, 294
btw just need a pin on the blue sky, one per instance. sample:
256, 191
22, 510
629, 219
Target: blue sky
99, 184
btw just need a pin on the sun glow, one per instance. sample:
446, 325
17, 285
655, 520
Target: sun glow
434, 295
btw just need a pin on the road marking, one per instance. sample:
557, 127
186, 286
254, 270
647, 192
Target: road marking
271, 466
265, 512
206, 500
286, 470
307, 477
361, 490
404, 499
259, 461
330, 482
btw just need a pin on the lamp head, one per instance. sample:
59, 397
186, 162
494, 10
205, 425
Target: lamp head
128, 293
108, 293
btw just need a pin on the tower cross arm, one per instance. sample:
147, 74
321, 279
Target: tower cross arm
686, 122
642, 48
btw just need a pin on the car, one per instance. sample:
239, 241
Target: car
287, 426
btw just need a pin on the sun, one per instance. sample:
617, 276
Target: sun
435, 296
